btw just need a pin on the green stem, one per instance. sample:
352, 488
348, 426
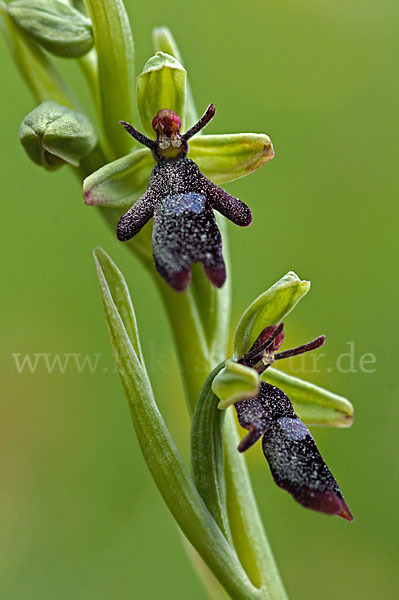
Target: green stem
113, 41
89, 68
246, 526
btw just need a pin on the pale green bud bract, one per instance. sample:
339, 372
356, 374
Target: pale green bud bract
57, 27
268, 309
53, 135
162, 84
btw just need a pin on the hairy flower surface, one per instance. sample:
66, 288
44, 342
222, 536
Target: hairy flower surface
295, 462
181, 200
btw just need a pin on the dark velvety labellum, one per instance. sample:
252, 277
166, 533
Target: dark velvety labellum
295, 462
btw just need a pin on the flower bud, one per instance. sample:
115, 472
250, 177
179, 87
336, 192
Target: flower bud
57, 27
53, 135
162, 84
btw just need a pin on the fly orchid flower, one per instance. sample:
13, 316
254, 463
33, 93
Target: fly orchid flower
181, 200
267, 411
295, 462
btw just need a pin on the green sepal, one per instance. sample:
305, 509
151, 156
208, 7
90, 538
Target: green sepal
53, 135
54, 25
268, 309
235, 382
313, 404
224, 158
162, 84
119, 183
164, 41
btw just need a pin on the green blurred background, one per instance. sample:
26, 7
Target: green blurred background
81, 517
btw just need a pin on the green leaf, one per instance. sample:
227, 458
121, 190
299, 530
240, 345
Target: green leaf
162, 84
53, 135
235, 382
313, 404
113, 40
164, 41
121, 298
54, 25
120, 183
161, 455
207, 453
224, 158
39, 74
268, 309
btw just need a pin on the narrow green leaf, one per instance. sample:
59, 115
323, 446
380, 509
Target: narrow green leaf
235, 382
161, 455
162, 84
54, 25
113, 40
120, 183
164, 41
313, 404
121, 298
225, 158
207, 453
39, 74
268, 309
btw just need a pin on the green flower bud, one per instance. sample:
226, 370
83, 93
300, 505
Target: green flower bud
57, 27
162, 84
53, 135
163, 41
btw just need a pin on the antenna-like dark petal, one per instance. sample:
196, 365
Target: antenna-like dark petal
203, 121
